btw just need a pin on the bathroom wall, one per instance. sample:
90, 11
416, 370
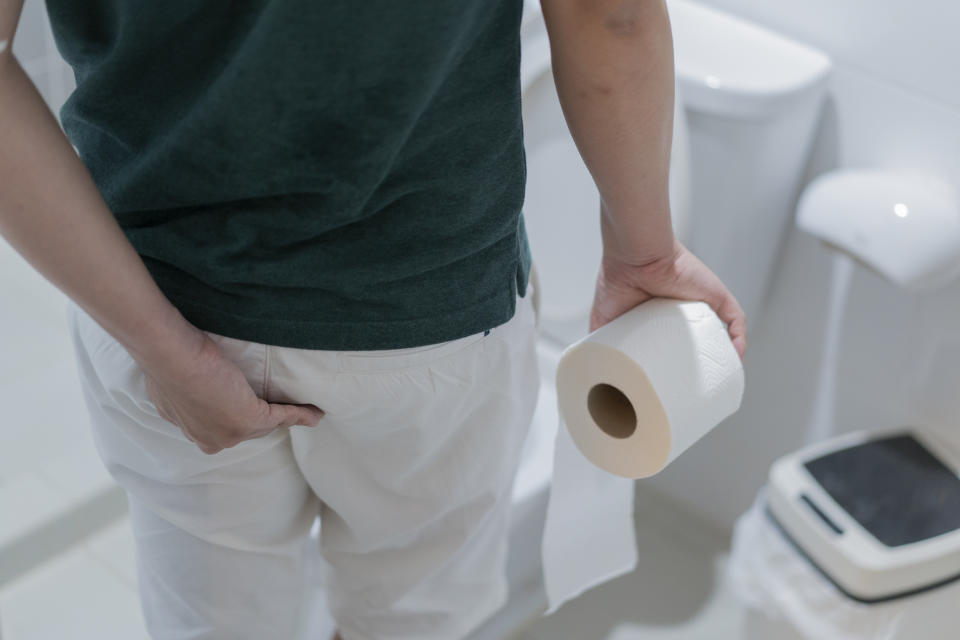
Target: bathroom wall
894, 102
35, 49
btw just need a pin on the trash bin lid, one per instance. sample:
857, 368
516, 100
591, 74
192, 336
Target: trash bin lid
877, 513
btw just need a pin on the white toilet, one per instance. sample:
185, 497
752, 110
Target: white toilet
747, 106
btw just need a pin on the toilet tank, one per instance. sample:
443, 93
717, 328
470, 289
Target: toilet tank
752, 100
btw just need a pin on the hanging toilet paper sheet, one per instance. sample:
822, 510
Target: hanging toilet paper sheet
632, 396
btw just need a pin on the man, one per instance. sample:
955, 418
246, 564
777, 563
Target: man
294, 245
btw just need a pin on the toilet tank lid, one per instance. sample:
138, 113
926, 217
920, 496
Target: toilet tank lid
732, 67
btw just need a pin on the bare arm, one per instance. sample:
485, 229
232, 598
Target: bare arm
613, 67
52, 213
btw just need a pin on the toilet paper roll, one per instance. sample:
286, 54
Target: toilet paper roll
639, 391
589, 536
632, 396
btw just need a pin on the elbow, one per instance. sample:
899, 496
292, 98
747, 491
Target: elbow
621, 19
625, 19
631, 19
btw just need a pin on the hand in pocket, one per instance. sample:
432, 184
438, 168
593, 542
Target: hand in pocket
211, 401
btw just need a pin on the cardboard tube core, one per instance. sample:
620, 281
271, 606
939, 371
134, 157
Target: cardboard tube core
612, 410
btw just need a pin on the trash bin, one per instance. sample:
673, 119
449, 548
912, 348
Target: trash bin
788, 598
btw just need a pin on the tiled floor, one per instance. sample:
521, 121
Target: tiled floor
52, 485
85, 593
675, 594
38, 387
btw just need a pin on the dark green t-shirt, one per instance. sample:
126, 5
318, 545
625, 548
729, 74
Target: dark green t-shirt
322, 174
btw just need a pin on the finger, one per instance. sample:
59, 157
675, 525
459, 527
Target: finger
209, 449
186, 434
732, 314
205, 445
313, 410
277, 416
166, 416
287, 415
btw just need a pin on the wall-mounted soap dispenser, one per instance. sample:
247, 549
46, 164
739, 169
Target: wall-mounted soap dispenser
903, 225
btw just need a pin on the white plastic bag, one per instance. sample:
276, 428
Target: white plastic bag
772, 578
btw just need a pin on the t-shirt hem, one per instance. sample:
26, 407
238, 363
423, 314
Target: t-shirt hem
359, 335
350, 335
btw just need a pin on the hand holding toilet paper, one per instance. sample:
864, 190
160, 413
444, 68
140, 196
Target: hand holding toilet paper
632, 396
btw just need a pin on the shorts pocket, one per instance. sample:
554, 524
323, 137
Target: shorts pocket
106, 363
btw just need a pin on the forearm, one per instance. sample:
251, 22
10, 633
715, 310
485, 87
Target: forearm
613, 67
52, 213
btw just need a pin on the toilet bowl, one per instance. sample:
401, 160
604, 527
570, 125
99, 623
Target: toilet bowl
746, 105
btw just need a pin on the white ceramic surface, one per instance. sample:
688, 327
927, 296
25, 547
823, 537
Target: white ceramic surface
729, 67
909, 44
905, 225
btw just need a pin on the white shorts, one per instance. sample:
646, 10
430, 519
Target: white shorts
410, 472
